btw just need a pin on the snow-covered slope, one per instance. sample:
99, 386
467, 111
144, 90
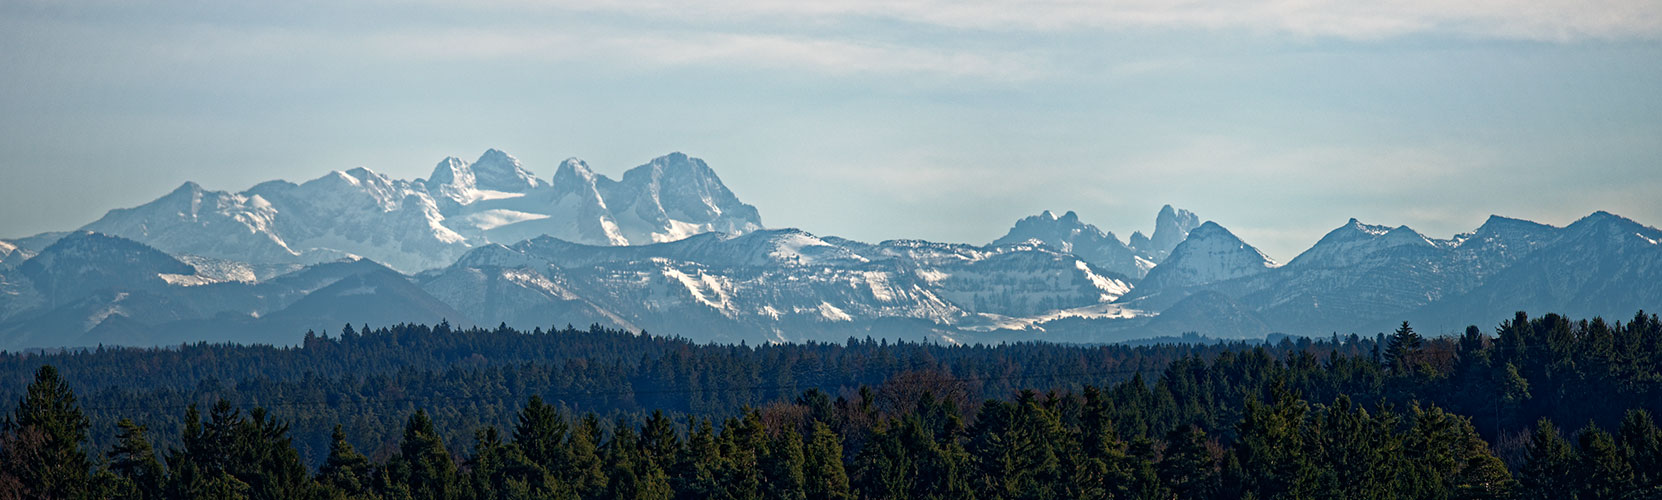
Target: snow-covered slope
1068, 234
1210, 254
428, 223
11, 255
773, 285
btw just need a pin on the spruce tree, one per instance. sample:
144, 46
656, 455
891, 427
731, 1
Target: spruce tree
1402, 348
1601, 469
1546, 475
1188, 466
1641, 443
42, 439
345, 470
432, 473
783, 466
133, 459
822, 466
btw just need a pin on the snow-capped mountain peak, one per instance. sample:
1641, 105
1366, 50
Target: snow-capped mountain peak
423, 224
1354, 241
498, 171
573, 171
1209, 254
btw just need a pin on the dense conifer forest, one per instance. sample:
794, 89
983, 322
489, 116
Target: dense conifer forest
1541, 407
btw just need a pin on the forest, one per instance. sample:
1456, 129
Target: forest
1536, 407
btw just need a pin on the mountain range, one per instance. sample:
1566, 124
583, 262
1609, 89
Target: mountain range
670, 249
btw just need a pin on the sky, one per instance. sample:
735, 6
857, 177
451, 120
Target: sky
943, 120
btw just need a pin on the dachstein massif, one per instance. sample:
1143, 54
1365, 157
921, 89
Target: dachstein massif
669, 249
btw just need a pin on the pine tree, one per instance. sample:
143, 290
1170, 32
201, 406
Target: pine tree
1547, 473
695, 474
541, 433
1402, 349
822, 466
1641, 443
133, 459
783, 467
630, 474
40, 442
432, 473
1188, 466
1601, 469
585, 471
1270, 448
659, 441
345, 470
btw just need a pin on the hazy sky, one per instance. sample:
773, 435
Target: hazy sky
874, 119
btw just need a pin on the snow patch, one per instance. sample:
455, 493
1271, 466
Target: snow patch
492, 219
832, 313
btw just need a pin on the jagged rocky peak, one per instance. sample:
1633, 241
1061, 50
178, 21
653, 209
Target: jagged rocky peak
685, 187
1171, 226
1068, 234
1139, 240
675, 196
1060, 233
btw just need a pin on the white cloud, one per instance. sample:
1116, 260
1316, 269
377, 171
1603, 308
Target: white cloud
1546, 20
668, 49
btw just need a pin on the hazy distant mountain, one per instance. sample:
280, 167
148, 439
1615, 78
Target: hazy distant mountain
1068, 234
1171, 226
1362, 277
779, 285
424, 224
669, 249
1210, 254
1602, 265
90, 288
11, 255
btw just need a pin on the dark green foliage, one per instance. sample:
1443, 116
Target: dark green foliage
346, 470
423, 465
1298, 419
1402, 349
133, 461
1189, 467
822, 466
1548, 473
40, 442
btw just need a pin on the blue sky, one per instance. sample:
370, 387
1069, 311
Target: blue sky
934, 119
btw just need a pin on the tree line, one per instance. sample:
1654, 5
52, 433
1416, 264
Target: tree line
1396, 415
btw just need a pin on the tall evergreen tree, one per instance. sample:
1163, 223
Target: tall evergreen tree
431, 471
345, 470
542, 433
134, 460
1402, 349
783, 466
40, 442
1601, 469
1188, 466
1546, 474
822, 466
1641, 443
